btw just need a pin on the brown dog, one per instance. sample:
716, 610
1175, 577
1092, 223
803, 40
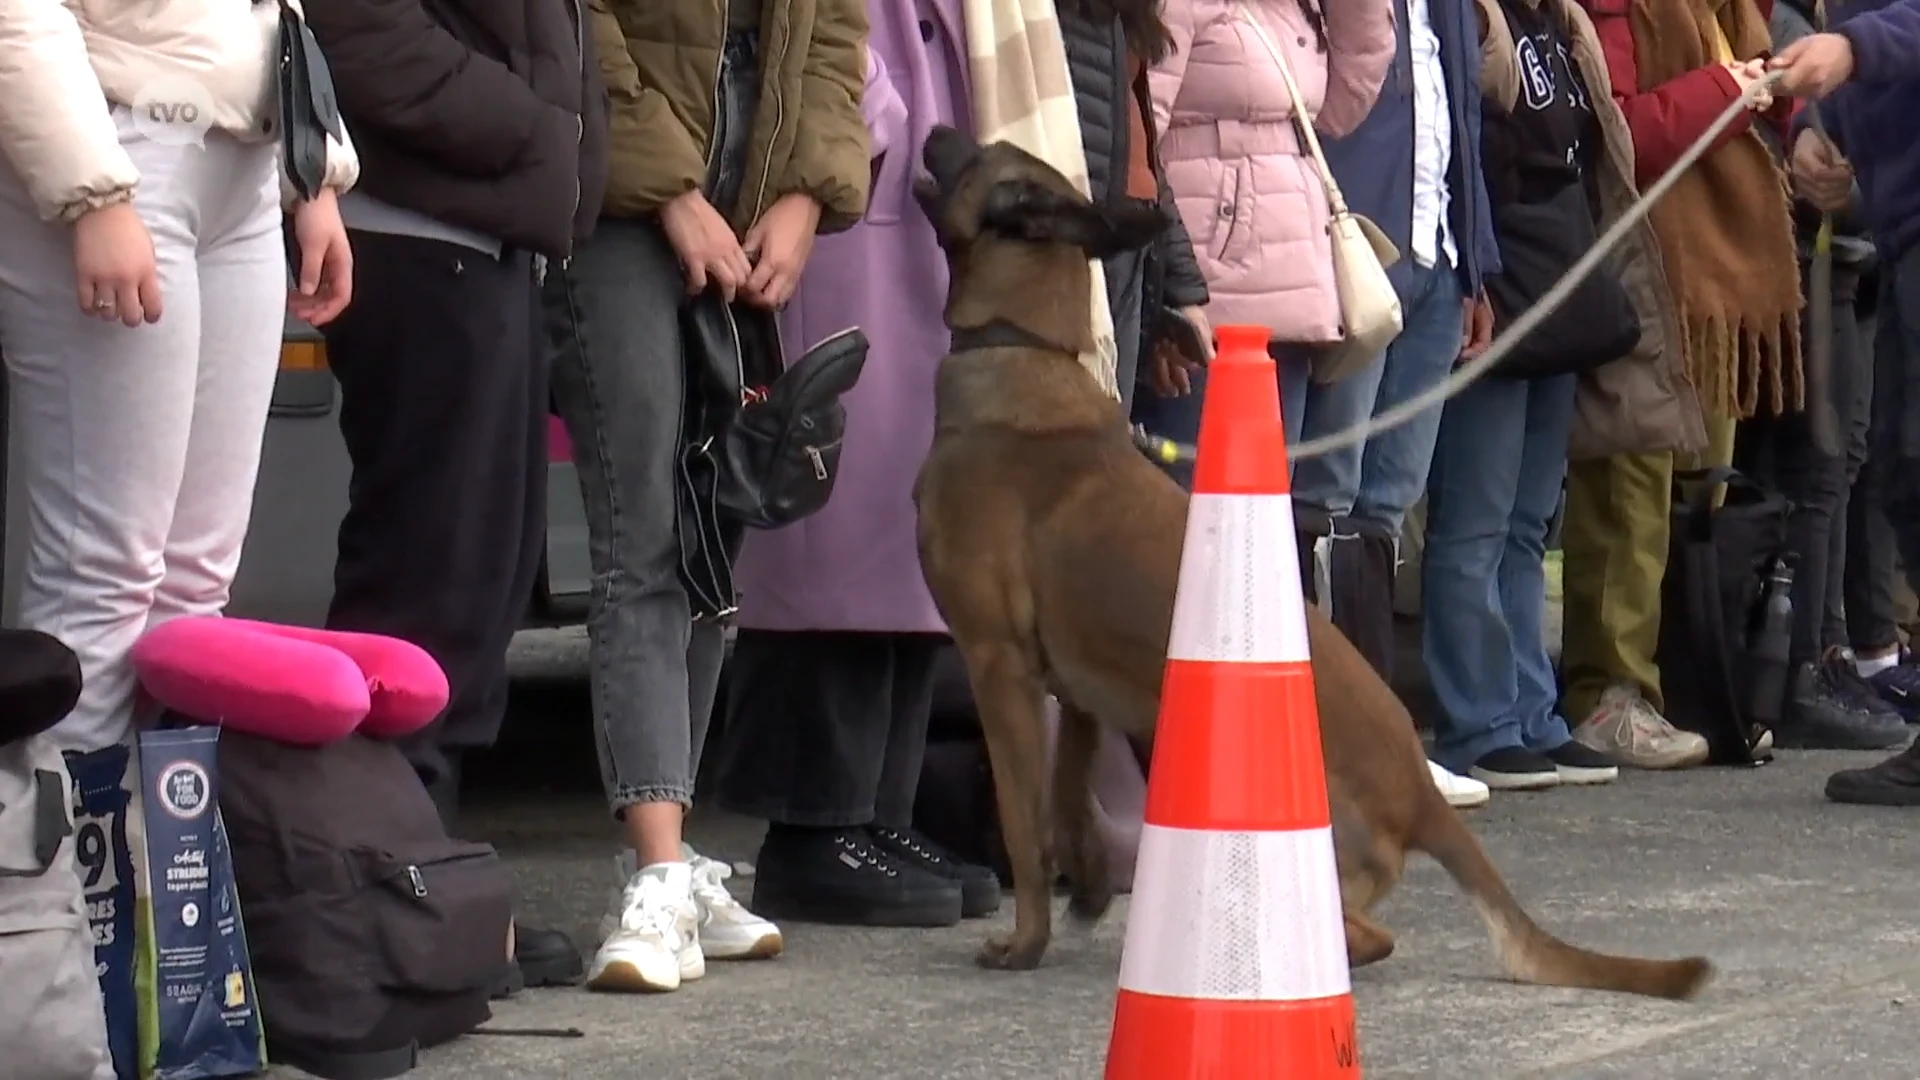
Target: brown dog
1052, 547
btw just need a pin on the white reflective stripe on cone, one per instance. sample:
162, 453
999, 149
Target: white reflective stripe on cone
1239, 600
1235, 916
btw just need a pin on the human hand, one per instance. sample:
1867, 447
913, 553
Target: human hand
116, 275
1820, 175
1815, 66
1747, 72
1476, 326
325, 283
706, 245
1172, 367
778, 246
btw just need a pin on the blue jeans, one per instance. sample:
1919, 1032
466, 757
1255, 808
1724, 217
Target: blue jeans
1377, 483
1498, 465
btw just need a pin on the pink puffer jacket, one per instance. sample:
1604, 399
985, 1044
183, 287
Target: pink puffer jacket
1246, 190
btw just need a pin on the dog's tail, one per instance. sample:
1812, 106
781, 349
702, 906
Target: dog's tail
1530, 954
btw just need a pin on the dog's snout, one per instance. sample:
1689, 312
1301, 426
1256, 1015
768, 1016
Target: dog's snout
947, 152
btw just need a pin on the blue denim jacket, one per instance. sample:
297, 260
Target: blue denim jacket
1374, 164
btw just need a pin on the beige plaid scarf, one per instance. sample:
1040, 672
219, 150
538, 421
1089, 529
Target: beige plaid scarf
1023, 94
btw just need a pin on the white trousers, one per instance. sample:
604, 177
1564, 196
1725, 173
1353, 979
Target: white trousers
140, 446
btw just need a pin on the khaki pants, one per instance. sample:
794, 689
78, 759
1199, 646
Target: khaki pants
1615, 540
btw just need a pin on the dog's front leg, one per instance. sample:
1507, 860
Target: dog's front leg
1009, 693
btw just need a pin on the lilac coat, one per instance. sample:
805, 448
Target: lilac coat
855, 565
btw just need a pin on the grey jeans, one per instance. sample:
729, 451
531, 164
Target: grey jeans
619, 371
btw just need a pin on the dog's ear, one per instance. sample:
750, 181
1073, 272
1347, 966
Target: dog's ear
1026, 211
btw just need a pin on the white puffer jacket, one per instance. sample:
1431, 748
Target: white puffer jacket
64, 63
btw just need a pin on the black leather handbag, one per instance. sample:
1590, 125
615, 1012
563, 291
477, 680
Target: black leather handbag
716, 339
1542, 232
783, 447
760, 439
309, 109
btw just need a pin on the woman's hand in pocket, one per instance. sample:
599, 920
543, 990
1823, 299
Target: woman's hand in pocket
324, 285
117, 277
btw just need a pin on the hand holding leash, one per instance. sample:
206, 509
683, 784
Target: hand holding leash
1467, 373
1814, 66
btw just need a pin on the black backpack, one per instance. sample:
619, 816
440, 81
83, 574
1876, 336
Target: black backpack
1712, 603
372, 933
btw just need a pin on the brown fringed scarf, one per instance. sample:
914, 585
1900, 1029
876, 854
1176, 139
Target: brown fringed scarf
1726, 230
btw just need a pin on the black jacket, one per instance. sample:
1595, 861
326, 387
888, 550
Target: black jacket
1097, 61
479, 113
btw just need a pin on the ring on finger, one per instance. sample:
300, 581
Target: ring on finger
103, 304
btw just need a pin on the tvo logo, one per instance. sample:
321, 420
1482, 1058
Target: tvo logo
174, 111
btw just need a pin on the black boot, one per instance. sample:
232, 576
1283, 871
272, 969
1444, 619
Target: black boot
1893, 782
546, 957
1361, 567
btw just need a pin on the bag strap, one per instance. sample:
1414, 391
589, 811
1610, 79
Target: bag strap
1704, 618
1302, 123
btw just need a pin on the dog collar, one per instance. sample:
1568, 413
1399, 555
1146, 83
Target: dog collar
1000, 334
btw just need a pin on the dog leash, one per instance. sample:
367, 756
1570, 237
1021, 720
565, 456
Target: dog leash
1162, 449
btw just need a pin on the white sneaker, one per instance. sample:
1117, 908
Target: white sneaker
1626, 728
728, 931
1462, 792
654, 945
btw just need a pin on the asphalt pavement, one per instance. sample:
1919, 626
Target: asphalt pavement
1806, 907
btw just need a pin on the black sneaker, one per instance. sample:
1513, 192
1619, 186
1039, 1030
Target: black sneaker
979, 888
1516, 769
842, 877
1898, 686
1580, 764
1821, 715
1893, 782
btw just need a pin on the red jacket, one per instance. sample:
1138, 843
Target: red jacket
1666, 119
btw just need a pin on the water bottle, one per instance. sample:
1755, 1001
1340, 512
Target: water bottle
1772, 648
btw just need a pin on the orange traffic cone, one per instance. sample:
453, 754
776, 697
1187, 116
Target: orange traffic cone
1235, 965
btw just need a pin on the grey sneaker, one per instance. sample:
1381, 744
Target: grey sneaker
1632, 732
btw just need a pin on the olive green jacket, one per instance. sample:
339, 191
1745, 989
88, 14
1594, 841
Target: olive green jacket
660, 60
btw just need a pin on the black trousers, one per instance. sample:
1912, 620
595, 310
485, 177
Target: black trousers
443, 408
1781, 451
826, 728
1874, 550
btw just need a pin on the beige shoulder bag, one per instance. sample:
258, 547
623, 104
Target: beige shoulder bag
1369, 307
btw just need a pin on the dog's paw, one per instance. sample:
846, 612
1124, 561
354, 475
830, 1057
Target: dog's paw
1088, 903
1006, 952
